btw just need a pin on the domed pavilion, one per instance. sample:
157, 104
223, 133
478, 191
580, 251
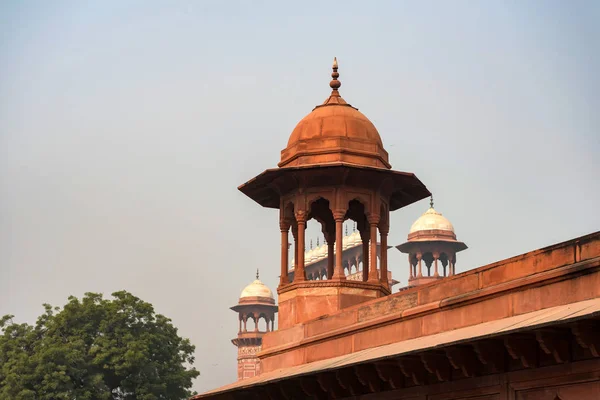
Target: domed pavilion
256, 303
334, 168
431, 240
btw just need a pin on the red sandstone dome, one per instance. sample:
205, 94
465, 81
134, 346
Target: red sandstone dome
335, 145
335, 132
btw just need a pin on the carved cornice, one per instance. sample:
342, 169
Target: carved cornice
331, 283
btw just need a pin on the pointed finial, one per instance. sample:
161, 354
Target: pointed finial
256, 273
311, 244
431, 201
354, 228
335, 84
317, 241
346, 234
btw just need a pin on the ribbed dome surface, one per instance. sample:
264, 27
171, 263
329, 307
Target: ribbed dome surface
334, 132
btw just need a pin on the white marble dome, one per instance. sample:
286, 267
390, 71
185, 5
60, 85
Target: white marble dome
256, 289
431, 220
322, 251
355, 238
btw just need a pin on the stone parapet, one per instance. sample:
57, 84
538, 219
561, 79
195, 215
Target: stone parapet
556, 275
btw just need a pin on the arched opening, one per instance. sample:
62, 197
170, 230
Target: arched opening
250, 324
262, 323
384, 227
359, 263
414, 261
428, 262
288, 219
356, 212
444, 261
322, 229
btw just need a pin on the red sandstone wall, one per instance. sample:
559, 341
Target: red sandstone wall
560, 274
248, 362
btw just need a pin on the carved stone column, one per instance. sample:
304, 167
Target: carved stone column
299, 275
373, 222
365, 254
338, 273
436, 256
383, 232
295, 236
284, 227
330, 256
419, 272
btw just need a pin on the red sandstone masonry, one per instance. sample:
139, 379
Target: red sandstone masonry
435, 321
535, 280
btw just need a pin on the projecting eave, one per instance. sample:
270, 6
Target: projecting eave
268, 187
264, 307
407, 247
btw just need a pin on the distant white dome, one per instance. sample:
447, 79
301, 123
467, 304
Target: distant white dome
322, 251
256, 289
355, 238
345, 242
431, 220
309, 256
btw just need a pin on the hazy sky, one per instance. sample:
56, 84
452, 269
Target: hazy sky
126, 127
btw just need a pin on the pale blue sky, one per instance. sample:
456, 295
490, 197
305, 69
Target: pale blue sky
126, 127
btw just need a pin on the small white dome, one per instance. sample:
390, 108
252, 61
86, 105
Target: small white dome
355, 238
431, 220
345, 242
256, 289
322, 252
309, 256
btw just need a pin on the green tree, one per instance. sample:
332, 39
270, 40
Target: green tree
95, 349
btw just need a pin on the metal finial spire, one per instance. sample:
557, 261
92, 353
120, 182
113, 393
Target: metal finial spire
354, 227
256, 273
346, 234
311, 244
431, 201
335, 84
317, 241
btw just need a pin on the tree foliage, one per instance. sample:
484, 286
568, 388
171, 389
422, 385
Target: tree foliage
95, 349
